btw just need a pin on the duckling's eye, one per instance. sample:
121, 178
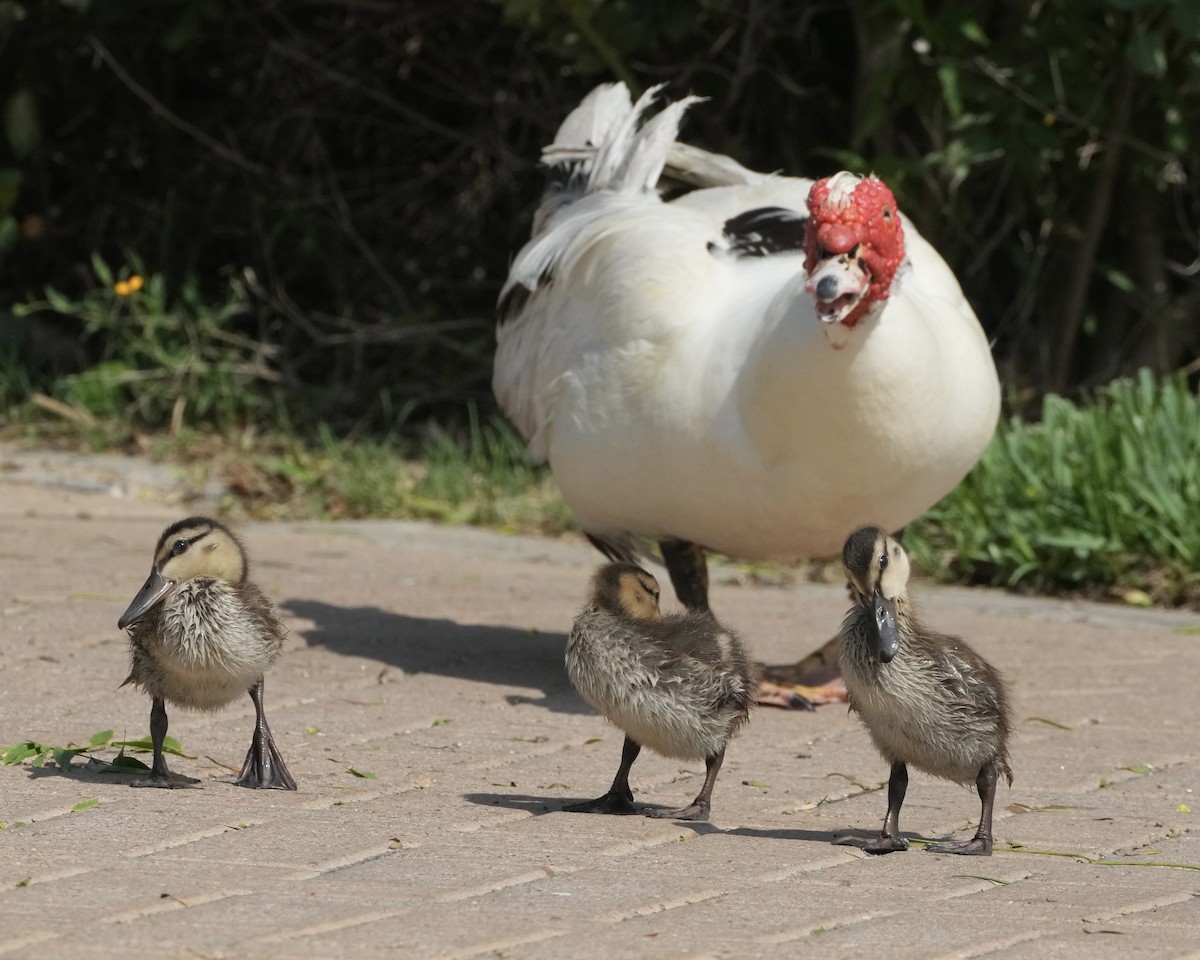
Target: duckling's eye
883, 561
178, 547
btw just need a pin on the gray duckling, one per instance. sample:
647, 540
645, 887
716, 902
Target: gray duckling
926, 699
679, 684
200, 635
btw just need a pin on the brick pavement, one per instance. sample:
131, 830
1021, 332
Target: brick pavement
432, 658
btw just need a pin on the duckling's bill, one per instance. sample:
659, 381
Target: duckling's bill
883, 619
153, 592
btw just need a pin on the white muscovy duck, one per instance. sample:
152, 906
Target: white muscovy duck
756, 368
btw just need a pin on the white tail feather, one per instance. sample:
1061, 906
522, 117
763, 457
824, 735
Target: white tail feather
589, 125
605, 140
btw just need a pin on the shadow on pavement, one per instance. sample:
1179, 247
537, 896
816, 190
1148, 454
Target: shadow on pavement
499, 655
517, 801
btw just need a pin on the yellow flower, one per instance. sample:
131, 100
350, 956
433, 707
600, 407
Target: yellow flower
123, 288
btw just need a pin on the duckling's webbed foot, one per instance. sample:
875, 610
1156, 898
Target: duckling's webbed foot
613, 803
975, 847
699, 808
619, 799
981, 844
264, 768
886, 845
695, 811
166, 781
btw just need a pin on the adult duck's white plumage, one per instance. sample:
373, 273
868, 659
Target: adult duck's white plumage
724, 370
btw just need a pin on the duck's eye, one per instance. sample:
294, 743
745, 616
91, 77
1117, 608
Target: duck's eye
178, 547
883, 561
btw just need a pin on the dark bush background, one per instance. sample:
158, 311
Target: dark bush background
363, 170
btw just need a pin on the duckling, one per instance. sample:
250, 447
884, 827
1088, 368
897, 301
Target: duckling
925, 698
200, 634
679, 684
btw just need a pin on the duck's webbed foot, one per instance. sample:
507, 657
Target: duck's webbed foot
788, 697
612, 802
264, 768
975, 847
806, 684
696, 811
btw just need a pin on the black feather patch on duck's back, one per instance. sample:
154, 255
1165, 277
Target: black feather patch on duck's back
765, 231
514, 300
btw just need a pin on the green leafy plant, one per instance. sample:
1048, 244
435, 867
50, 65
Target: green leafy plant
163, 356
1098, 495
38, 754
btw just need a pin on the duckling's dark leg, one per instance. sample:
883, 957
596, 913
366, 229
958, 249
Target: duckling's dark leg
698, 809
160, 776
688, 568
981, 844
889, 841
619, 798
264, 767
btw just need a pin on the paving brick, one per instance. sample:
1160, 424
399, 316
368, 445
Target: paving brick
432, 658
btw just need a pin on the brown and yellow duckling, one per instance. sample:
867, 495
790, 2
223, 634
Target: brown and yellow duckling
200, 635
926, 699
679, 684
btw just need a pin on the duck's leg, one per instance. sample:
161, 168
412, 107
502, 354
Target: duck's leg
698, 809
981, 844
686, 563
160, 776
889, 841
688, 568
264, 767
619, 798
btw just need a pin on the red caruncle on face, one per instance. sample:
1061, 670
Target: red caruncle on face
866, 218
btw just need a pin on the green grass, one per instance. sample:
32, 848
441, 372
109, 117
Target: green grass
479, 476
1101, 498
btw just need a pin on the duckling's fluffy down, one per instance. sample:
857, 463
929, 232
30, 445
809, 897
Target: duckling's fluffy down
206, 645
680, 685
938, 705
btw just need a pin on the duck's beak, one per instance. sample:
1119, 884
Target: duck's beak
883, 620
152, 594
837, 285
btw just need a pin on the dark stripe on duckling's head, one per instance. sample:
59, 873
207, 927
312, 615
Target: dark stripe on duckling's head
201, 547
860, 557
625, 588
